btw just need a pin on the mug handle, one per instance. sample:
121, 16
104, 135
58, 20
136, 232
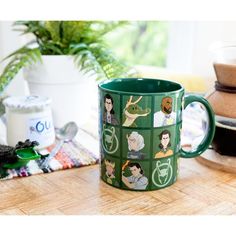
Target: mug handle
211, 126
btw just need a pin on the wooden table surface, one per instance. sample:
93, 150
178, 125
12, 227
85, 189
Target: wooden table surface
199, 190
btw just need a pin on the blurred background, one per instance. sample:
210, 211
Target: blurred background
174, 50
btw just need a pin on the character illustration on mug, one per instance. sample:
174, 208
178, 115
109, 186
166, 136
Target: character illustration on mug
137, 180
109, 175
132, 111
165, 145
109, 113
166, 116
135, 144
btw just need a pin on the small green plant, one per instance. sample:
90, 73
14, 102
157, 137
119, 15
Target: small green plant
81, 39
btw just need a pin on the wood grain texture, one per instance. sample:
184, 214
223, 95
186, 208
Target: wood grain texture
198, 190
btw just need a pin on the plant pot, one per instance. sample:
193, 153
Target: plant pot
70, 90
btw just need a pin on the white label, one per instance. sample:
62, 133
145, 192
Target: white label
41, 130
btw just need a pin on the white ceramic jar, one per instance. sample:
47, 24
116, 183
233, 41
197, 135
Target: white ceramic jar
29, 117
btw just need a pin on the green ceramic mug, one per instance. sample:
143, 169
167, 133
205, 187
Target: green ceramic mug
140, 123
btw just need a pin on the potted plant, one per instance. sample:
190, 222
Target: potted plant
46, 60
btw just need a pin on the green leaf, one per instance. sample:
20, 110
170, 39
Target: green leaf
54, 28
84, 40
21, 58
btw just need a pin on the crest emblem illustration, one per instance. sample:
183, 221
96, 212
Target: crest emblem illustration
162, 175
110, 141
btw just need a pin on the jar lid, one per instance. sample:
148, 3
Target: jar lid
26, 102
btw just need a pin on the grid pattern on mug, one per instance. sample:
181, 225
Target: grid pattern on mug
130, 142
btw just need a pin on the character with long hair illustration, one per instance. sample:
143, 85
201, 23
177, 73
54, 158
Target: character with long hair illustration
135, 145
165, 145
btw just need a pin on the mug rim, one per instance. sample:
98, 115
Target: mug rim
100, 85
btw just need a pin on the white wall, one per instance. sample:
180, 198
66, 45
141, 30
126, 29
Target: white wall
180, 44
189, 44
9, 42
205, 35
9, 39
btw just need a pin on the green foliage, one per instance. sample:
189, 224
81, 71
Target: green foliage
141, 42
84, 40
19, 59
